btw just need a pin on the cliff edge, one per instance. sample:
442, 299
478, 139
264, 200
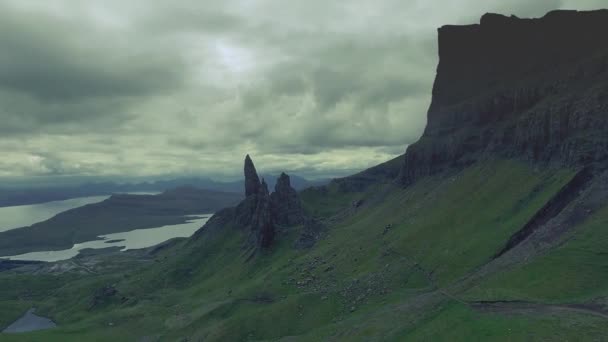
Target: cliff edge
523, 88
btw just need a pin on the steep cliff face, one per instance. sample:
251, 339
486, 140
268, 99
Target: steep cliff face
523, 88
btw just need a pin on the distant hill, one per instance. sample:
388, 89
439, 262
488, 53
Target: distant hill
22, 195
118, 213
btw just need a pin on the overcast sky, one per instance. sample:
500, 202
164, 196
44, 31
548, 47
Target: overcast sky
154, 88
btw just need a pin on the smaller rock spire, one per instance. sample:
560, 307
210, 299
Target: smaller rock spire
287, 208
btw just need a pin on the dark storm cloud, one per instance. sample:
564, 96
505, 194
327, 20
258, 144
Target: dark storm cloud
23, 115
338, 93
55, 60
59, 75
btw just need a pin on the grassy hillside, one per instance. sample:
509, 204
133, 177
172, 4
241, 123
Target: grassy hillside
382, 271
573, 272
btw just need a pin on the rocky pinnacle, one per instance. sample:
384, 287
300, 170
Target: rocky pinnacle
252, 181
286, 203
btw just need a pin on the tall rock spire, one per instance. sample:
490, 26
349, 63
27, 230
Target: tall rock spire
263, 220
261, 211
252, 181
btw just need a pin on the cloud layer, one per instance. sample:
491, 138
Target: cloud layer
104, 88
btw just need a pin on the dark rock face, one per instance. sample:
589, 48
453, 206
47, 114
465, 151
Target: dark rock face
310, 234
528, 88
260, 212
262, 223
551, 209
255, 210
252, 181
287, 208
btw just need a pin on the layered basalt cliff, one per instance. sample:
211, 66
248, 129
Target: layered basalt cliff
524, 88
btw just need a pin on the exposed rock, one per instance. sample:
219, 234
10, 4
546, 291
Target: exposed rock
252, 181
260, 212
262, 223
287, 208
245, 211
522, 88
552, 208
310, 233
255, 211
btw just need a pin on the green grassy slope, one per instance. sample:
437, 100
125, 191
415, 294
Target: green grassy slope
457, 322
573, 272
377, 274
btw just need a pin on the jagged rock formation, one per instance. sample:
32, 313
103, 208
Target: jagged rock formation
252, 181
522, 88
262, 223
255, 210
287, 208
260, 212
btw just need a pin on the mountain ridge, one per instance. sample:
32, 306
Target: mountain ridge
12, 196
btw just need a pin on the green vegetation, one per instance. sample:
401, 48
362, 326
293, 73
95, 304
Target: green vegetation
457, 322
381, 272
573, 272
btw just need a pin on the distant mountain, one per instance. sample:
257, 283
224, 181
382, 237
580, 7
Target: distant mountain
22, 196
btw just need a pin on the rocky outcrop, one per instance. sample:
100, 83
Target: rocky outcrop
311, 233
262, 223
260, 212
287, 208
252, 181
255, 211
263, 214
524, 88
556, 205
